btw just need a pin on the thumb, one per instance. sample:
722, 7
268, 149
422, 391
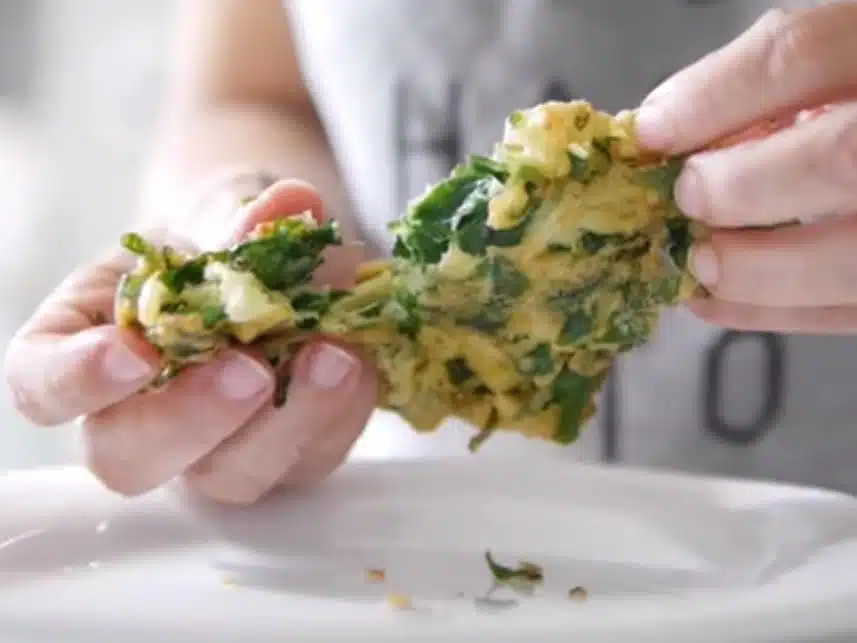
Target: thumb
282, 199
65, 362
55, 378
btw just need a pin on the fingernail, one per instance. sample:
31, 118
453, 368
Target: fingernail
241, 378
654, 128
329, 366
703, 264
123, 365
689, 195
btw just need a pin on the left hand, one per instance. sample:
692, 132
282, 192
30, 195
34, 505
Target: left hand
800, 278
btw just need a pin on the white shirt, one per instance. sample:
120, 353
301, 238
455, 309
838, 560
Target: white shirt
406, 88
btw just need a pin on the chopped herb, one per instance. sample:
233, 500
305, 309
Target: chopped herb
312, 302
558, 247
506, 280
175, 307
632, 248
604, 146
490, 319
523, 577
479, 439
541, 360
307, 323
213, 315
455, 208
578, 325
471, 236
288, 257
679, 242
663, 178
190, 274
373, 311
581, 120
579, 167
458, 371
568, 301
451, 205
483, 165
626, 330
129, 286
400, 249
592, 242
167, 373
665, 291
135, 244
570, 393
509, 237
404, 309
529, 174
281, 391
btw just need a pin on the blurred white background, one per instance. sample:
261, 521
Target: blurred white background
80, 82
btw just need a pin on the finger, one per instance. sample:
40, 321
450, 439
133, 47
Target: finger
809, 169
329, 401
149, 439
786, 61
68, 359
827, 320
219, 197
55, 378
801, 265
284, 198
339, 267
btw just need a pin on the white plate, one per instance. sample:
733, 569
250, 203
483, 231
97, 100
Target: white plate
663, 557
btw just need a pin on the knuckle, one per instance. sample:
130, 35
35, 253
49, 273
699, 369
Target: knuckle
786, 42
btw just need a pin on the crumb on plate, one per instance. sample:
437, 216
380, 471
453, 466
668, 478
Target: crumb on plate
399, 602
376, 575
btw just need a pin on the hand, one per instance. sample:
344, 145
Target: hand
214, 424
800, 278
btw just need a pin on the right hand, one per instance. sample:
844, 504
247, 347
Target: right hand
214, 425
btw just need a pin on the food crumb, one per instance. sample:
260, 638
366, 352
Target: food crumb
399, 602
531, 571
229, 582
578, 594
376, 575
